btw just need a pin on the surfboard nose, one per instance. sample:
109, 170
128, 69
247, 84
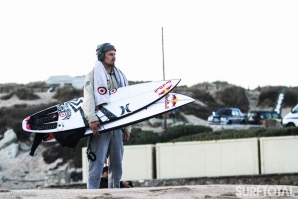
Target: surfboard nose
25, 125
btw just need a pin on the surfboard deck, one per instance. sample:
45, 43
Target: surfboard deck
123, 101
167, 103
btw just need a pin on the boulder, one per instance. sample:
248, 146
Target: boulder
24, 146
9, 138
170, 122
10, 151
271, 124
155, 122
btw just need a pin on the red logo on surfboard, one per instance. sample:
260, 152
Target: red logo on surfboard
172, 102
164, 89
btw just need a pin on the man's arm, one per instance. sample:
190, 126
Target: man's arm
89, 104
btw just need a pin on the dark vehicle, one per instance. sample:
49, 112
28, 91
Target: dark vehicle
227, 116
256, 117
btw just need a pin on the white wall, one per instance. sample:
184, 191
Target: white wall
279, 154
138, 162
207, 158
84, 164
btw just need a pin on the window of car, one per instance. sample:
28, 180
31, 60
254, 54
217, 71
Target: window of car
252, 114
275, 115
268, 115
235, 113
295, 110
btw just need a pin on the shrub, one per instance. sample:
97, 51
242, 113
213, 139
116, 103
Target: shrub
12, 117
234, 97
268, 96
291, 98
239, 134
67, 93
54, 152
24, 94
8, 96
142, 137
183, 130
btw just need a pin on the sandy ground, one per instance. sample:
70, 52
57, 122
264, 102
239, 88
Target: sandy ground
171, 192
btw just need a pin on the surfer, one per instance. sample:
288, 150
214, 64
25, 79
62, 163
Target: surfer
104, 78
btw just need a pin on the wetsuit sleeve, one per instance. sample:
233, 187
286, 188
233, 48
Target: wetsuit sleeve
89, 101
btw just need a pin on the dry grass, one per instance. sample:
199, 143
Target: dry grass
234, 97
268, 96
67, 93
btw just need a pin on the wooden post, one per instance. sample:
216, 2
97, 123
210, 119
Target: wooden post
163, 66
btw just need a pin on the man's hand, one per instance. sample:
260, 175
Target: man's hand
94, 127
126, 136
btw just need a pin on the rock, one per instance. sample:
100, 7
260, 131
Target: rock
178, 123
24, 146
155, 122
9, 137
170, 122
271, 124
57, 177
10, 151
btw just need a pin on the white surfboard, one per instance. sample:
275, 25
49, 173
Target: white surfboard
123, 101
165, 104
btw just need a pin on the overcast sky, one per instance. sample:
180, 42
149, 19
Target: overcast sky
243, 42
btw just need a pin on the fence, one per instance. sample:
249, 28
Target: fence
237, 157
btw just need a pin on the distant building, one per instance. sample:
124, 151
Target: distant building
78, 82
62, 80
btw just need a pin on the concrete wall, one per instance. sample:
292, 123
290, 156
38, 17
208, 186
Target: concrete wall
207, 158
279, 154
138, 163
239, 157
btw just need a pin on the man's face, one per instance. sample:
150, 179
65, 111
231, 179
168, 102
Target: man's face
110, 58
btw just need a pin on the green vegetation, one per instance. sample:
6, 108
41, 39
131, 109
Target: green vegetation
54, 152
239, 134
183, 130
22, 94
268, 96
67, 93
234, 97
186, 133
12, 117
8, 96
143, 137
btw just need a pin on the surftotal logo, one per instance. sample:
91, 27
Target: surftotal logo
164, 89
271, 191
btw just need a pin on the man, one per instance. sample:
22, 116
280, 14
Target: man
98, 82
104, 180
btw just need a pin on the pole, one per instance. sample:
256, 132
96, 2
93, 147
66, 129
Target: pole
163, 66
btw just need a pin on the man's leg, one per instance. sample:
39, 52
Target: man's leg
115, 159
99, 146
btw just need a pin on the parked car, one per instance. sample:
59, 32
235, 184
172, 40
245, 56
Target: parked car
227, 116
256, 117
291, 119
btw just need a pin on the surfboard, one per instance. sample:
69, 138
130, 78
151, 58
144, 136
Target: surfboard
167, 103
123, 101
